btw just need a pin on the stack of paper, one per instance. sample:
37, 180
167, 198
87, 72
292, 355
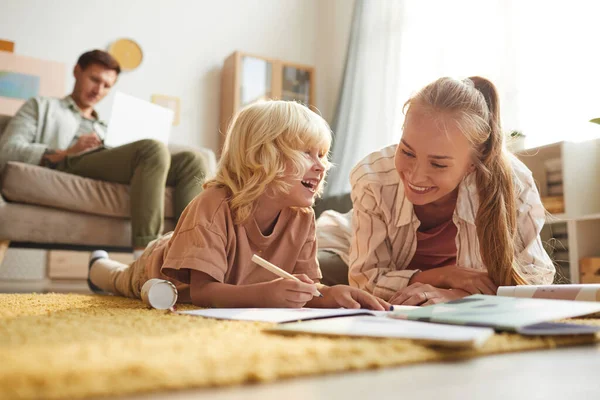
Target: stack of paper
424, 332
346, 322
463, 323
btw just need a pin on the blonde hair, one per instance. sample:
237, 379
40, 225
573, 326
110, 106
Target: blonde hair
262, 142
473, 104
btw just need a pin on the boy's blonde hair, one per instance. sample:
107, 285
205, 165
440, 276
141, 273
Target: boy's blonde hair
473, 104
262, 140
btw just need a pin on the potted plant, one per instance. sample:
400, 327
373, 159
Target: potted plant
515, 141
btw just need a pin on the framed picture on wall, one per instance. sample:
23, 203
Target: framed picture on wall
24, 77
169, 102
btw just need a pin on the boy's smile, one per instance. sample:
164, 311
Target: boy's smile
311, 184
303, 192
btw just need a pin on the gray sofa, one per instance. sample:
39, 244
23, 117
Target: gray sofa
43, 208
333, 268
340, 203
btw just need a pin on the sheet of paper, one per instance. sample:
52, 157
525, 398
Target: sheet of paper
365, 326
277, 315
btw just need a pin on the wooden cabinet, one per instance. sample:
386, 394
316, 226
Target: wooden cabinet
69, 264
246, 78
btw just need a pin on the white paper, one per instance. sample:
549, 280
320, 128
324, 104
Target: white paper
365, 326
133, 119
278, 315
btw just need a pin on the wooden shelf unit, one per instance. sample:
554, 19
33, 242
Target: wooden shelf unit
246, 78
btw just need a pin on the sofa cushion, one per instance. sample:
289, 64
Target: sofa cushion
341, 203
36, 224
32, 184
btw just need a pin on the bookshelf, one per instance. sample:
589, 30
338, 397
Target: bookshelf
246, 78
568, 178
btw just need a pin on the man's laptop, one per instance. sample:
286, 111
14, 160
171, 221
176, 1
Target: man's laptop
133, 119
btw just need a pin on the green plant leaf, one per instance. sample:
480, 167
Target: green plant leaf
595, 120
516, 134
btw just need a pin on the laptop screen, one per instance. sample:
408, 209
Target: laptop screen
133, 119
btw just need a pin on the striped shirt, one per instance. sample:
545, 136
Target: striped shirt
384, 225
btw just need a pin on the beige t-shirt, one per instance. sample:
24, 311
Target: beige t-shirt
206, 239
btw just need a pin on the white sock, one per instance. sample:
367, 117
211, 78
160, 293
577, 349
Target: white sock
104, 273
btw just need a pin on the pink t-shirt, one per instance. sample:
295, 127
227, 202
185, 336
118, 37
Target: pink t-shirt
436, 247
207, 239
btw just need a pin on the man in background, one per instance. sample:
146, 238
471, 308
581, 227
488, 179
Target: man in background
67, 135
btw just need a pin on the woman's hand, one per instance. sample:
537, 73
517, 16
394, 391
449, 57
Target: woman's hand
349, 297
419, 294
455, 277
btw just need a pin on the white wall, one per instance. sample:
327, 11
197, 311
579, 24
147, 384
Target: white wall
185, 43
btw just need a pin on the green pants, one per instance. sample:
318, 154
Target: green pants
147, 167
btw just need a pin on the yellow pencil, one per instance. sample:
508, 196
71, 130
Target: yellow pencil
277, 271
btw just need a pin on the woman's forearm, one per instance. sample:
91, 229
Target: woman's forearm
433, 277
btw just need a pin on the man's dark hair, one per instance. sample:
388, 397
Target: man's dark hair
99, 57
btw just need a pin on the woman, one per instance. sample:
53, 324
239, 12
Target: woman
447, 212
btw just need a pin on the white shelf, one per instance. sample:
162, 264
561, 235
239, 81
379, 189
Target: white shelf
562, 218
580, 164
556, 219
588, 217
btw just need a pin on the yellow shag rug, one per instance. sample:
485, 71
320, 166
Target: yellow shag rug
76, 346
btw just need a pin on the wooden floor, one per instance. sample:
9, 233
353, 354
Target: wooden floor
3, 248
565, 374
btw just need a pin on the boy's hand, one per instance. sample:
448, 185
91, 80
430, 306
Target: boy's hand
287, 293
351, 297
